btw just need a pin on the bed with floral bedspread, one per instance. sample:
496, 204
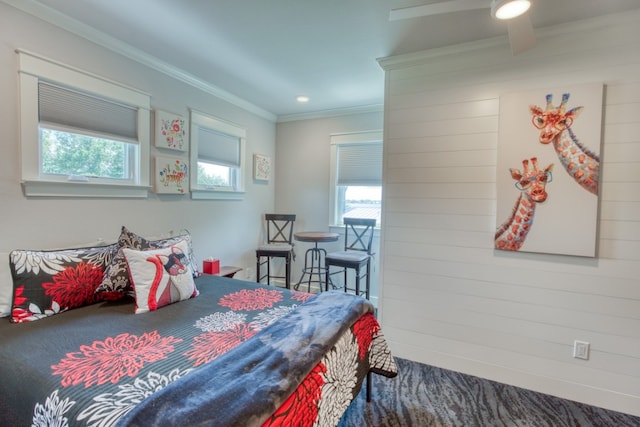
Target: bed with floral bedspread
239, 353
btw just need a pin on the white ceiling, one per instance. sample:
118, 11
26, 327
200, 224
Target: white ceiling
267, 52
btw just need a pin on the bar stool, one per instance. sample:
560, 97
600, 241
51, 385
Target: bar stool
279, 245
358, 239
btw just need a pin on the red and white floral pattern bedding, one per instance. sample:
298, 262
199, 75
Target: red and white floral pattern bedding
93, 365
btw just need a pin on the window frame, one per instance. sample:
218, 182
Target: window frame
201, 192
33, 69
352, 138
131, 155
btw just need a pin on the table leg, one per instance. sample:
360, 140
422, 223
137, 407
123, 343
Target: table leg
313, 265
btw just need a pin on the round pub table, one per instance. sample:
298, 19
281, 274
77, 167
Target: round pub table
314, 257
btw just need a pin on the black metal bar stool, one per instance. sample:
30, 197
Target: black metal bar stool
358, 239
279, 245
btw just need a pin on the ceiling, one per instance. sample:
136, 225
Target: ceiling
267, 52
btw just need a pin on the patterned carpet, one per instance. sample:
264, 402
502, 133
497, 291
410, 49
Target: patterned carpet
425, 396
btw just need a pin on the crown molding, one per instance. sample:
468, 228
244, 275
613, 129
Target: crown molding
336, 112
47, 14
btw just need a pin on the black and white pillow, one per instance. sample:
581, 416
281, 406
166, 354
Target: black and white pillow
46, 283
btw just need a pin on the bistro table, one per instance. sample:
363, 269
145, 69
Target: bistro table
314, 256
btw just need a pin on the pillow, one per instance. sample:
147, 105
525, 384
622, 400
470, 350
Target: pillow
50, 282
6, 285
6, 281
116, 277
160, 276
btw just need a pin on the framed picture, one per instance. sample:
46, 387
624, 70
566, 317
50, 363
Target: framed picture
171, 175
549, 142
171, 131
261, 167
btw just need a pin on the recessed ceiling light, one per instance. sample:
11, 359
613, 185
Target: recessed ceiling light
508, 9
302, 98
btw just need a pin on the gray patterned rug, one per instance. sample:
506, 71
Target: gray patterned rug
425, 396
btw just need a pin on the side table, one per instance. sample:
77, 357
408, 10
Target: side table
227, 271
314, 257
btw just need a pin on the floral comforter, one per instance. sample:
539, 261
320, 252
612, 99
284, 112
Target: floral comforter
218, 359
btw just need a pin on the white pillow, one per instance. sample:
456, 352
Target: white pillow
6, 285
160, 276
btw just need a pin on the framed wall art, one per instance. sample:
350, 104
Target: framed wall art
261, 167
171, 131
548, 170
171, 175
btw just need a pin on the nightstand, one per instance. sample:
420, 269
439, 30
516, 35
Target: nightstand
228, 271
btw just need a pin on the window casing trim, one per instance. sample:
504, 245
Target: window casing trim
41, 188
336, 139
203, 192
33, 69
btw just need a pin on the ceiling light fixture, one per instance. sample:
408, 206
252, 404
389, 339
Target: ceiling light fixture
302, 99
508, 9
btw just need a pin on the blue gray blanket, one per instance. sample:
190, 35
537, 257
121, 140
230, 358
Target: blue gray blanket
244, 386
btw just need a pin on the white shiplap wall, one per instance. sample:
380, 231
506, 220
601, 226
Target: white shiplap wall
447, 298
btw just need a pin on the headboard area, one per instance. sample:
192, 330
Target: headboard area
20, 290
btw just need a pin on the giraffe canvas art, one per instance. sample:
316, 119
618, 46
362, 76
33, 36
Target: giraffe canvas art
554, 123
566, 221
531, 183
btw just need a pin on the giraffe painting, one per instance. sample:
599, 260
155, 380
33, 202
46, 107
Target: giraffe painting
566, 223
554, 124
531, 182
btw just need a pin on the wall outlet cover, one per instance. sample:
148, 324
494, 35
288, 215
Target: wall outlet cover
581, 350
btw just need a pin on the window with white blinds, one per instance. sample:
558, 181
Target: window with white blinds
217, 158
356, 176
82, 135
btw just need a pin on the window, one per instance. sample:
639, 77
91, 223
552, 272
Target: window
217, 156
81, 135
356, 174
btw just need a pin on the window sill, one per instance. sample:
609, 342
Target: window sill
216, 195
340, 230
82, 189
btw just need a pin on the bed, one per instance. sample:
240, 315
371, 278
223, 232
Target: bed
238, 353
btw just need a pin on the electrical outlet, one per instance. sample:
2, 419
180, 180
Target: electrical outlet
581, 350
248, 273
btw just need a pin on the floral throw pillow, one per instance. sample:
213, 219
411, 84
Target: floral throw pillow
50, 282
116, 278
160, 276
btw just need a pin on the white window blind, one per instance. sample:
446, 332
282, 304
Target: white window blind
66, 108
217, 147
220, 143
359, 164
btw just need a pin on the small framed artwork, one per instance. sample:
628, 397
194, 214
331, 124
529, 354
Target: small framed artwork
172, 175
261, 167
171, 131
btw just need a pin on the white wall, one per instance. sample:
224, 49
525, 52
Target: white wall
449, 299
302, 174
229, 230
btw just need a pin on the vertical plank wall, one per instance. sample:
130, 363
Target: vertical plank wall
448, 299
